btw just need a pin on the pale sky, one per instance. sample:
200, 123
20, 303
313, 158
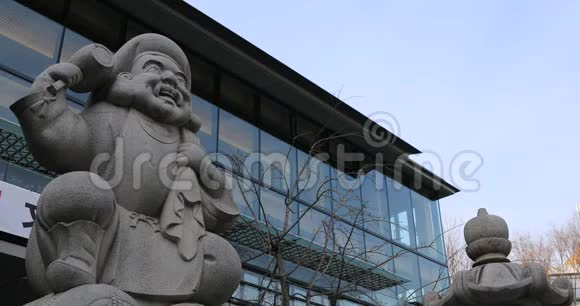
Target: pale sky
501, 78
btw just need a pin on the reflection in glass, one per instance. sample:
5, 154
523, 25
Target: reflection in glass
245, 194
237, 141
11, 89
387, 297
407, 266
25, 178
379, 252
315, 226
374, 197
249, 293
300, 293
28, 40
434, 277
208, 113
346, 198
72, 43
428, 227
349, 240
313, 181
276, 210
401, 213
278, 161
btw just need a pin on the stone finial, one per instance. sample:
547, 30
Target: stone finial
487, 238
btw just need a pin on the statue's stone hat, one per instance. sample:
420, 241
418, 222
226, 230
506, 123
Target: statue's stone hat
150, 42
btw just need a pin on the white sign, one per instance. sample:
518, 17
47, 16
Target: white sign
17, 209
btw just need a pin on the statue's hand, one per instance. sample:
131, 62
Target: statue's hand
68, 73
190, 155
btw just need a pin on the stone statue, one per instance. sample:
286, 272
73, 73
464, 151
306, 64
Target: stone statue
133, 218
494, 280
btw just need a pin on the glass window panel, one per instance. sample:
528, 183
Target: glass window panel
374, 196
322, 300
271, 299
349, 240
237, 141
11, 89
433, 276
238, 293
315, 226
379, 252
428, 227
297, 303
401, 213
249, 293
208, 113
407, 266
313, 181
298, 292
245, 195
25, 178
346, 199
28, 40
444, 282
252, 277
276, 210
315, 297
72, 43
387, 297
278, 162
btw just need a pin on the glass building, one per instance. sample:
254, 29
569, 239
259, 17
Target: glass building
385, 220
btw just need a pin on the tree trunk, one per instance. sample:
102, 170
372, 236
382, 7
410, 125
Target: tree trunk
284, 288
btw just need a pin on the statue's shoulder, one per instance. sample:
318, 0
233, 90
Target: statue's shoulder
105, 107
105, 115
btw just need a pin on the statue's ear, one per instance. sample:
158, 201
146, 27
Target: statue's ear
120, 92
125, 75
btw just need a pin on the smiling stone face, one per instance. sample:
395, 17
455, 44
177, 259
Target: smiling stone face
161, 89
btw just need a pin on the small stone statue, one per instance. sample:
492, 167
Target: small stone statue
133, 218
494, 280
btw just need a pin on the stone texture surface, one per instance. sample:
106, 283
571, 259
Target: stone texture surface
494, 280
133, 218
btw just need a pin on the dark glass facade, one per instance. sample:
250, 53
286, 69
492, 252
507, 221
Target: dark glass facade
399, 229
